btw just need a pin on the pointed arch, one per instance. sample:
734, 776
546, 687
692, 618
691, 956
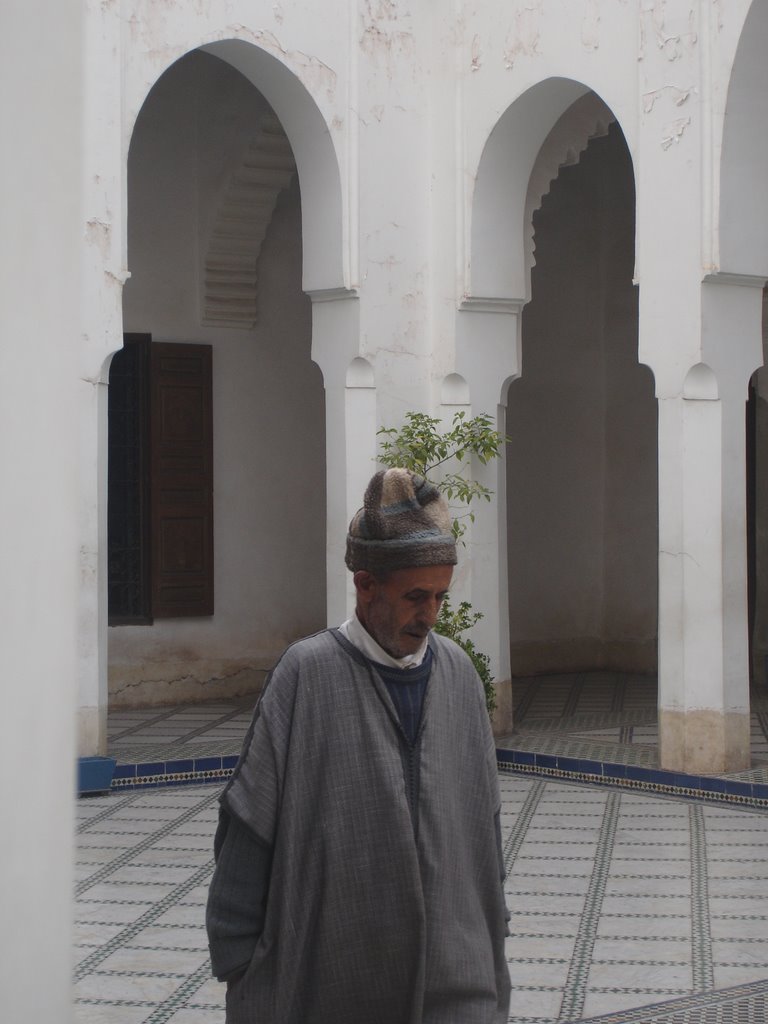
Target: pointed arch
743, 203
496, 257
324, 265
326, 252
544, 129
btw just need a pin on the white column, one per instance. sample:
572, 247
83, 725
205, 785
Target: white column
40, 333
488, 347
350, 446
703, 628
103, 276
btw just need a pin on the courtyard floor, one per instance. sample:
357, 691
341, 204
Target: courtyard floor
628, 904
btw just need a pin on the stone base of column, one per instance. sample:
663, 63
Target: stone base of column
502, 716
704, 742
91, 732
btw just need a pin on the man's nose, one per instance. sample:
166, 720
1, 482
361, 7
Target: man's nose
430, 611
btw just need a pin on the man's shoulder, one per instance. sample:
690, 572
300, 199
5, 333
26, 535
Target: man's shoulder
310, 653
315, 645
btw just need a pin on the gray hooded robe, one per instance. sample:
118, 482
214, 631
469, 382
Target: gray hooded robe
385, 902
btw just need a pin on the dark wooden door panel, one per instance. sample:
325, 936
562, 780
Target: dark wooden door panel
181, 480
128, 505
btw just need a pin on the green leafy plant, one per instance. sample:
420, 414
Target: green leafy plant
421, 446
454, 623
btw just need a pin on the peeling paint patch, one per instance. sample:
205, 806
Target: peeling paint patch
98, 233
673, 131
678, 96
524, 36
653, 25
476, 61
386, 36
119, 278
315, 74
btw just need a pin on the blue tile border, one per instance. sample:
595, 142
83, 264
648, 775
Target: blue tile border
735, 792
172, 773
95, 774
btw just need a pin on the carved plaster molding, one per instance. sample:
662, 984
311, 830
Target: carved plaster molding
742, 280
332, 294
230, 294
588, 118
488, 304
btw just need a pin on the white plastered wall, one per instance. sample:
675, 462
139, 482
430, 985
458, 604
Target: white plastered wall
41, 389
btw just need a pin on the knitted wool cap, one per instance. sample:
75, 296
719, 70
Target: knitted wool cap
404, 523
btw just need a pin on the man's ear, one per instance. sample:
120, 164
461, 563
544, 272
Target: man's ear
366, 585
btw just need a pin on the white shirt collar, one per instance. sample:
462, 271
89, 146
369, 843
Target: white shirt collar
359, 636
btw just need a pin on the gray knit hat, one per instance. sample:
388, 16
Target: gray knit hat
404, 523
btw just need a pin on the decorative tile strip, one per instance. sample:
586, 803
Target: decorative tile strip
180, 998
701, 934
123, 937
163, 777
735, 794
575, 991
518, 831
148, 841
743, 1004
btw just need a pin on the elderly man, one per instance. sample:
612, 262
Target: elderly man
359, 876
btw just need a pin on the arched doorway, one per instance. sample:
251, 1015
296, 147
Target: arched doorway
741, 254
582, 485
215, 253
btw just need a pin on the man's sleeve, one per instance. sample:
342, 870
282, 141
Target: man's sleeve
237, 897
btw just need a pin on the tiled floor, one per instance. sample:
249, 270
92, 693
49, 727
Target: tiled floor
602, 726
608, 716
618, 901
625, 906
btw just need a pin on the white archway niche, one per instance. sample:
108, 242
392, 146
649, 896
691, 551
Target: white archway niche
546, 127
326, 256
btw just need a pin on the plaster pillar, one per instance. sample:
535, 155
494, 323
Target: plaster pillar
487, 356
41, 108
703, 629
760, 568
104, 273
350, 430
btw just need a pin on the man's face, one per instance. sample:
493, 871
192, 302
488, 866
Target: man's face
400, 610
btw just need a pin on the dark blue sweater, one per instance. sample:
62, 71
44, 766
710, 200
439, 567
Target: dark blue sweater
406, 687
